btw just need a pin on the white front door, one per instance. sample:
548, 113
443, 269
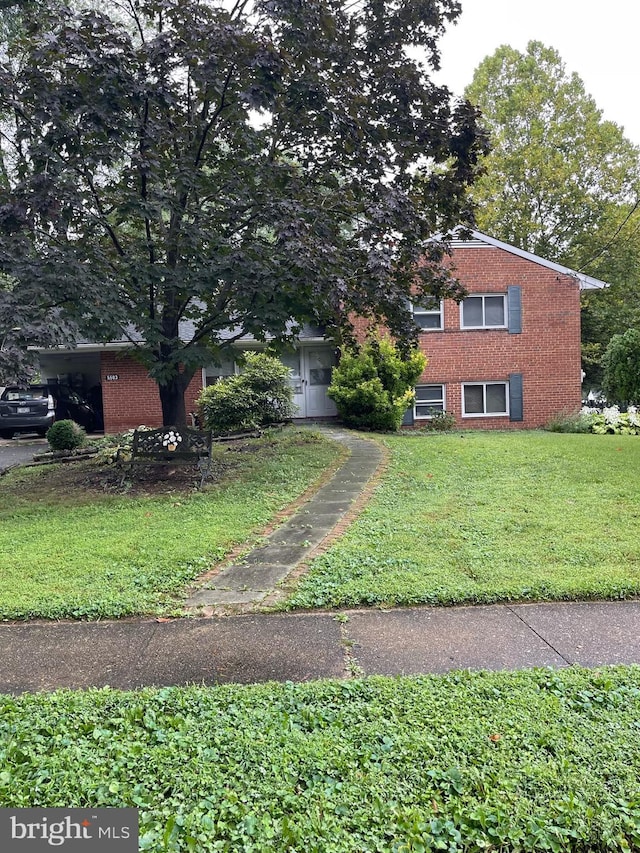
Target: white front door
317, 365
293, 360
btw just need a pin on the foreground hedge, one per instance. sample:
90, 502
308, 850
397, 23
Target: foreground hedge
539, 760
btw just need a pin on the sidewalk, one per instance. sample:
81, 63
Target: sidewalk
305, 646
256, 647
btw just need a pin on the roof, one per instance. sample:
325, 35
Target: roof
479, 240
132, 337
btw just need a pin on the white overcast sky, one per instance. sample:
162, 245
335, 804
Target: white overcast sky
598, 39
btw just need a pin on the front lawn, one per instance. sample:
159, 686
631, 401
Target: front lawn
482, 517
529, 761
69, 549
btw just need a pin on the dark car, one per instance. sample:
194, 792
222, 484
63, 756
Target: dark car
31, 409
69, 404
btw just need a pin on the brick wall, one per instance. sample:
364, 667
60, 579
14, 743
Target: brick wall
546, 352
132, 399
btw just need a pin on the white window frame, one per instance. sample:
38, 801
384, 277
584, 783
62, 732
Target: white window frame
485, 414
211, 378
417, 402
484, 325
419, 310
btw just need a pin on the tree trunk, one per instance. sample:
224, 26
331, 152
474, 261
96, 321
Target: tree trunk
174, 412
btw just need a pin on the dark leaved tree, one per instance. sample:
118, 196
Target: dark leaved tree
176, 168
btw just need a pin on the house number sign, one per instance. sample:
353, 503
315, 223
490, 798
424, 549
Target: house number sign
112, 377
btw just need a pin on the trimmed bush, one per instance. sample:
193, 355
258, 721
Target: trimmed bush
65, 435
259, 396
373, 387
268, 381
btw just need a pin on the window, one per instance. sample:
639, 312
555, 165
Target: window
429, 400
428, 315
216, 371
482, 399
483, 312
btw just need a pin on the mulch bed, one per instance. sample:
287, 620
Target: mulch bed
91, 477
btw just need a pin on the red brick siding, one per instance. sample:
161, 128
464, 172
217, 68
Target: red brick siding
132, 399
546, 352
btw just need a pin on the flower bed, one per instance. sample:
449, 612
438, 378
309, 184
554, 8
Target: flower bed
610, 420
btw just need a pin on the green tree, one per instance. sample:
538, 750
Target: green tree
561, 182
621, 364
175, 168
613, 255
555, 164
373, 385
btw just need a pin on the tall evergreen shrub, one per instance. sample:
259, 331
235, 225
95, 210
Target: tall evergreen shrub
372, 387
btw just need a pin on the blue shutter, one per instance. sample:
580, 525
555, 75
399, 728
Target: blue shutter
515, 397
514, 307
407, 420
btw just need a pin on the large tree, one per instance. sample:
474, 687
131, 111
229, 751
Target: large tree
177, 168
555, 164
561, 182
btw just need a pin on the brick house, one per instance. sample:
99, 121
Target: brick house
507, 357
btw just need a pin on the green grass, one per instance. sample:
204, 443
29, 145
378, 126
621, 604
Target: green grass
68, 554
529, 761
483, 517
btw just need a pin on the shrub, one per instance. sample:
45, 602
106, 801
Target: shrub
65, 435
228, 406
268, 380
373, 386
440, 422
578, 422
259, 396
621, 364
611, 421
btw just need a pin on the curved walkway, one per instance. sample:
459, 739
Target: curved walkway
253, 579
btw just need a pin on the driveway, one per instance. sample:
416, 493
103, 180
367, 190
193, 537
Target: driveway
20, 449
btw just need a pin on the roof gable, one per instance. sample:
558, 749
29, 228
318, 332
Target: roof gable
479, 240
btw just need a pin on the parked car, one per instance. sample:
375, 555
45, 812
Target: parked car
70, 404
30, 409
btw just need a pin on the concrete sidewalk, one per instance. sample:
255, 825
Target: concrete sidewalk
305, 646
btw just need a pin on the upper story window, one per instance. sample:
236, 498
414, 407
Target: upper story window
428, 315
484, 312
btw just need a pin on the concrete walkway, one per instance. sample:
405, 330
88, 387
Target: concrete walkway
251, 580
258, 647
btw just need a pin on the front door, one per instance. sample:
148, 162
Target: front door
293, 360
318, 362
310, 377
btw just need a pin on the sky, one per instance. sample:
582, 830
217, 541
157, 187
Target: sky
598, 40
